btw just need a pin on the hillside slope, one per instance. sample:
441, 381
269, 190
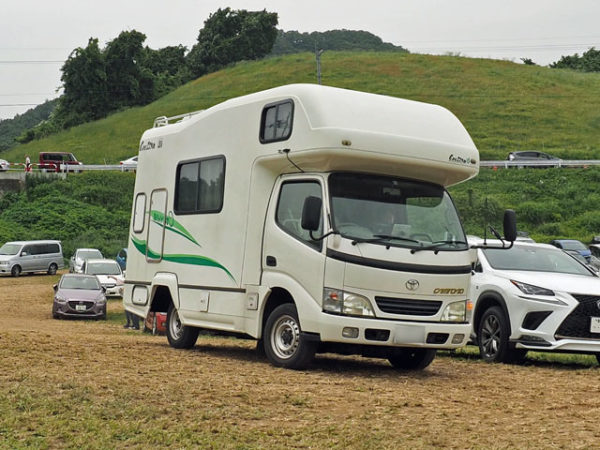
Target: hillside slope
505, 106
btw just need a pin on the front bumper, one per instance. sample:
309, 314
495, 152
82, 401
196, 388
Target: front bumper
113, 291
69, 309
438, 335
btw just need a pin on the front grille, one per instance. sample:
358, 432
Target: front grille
73, 304
409, 307
577, 324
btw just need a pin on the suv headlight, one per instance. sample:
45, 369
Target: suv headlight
457, 311
530, 289
60, 299
347, 303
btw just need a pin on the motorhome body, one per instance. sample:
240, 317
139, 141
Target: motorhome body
217, 237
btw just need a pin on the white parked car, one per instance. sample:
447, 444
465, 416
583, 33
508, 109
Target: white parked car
4, 165
109, 273
533, 297
79, 257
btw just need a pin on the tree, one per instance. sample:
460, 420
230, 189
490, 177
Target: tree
588, 62
85, 87
129, 82
528, 62
229, 36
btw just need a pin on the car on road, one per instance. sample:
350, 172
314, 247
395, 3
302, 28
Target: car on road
4, 165
533, 297
79, 257
77, 295
573, 245
530, 156
109, 273
129, 164
58, 162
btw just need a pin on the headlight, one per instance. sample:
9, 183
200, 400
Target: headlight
347, 303
529, 289
457, 311
60, 299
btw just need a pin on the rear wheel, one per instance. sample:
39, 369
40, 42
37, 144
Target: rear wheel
412, 358
179, 335
15, 271
283, 342
52, 269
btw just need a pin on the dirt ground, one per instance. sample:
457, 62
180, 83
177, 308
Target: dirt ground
92, 384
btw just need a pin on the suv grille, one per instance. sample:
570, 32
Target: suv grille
577, 324
409, 307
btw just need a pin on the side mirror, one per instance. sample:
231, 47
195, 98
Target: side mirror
510, 225
55, 287
24, 253
311, 213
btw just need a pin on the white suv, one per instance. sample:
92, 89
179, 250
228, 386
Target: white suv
533, 297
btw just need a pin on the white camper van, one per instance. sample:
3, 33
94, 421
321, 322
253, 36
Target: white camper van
311, 218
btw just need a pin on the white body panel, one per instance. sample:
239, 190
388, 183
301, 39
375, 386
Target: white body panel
216, 266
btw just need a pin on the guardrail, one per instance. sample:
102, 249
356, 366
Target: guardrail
541, 163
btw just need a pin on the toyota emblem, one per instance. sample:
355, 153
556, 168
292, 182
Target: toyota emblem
413, 285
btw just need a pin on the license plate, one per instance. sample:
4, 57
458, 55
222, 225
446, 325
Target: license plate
80, 308
595, 325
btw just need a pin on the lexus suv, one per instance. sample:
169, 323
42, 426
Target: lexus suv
533, 297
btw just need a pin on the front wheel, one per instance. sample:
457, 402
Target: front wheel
15, 271
492, 336
52, 269
179, 335
412, 358
283, 342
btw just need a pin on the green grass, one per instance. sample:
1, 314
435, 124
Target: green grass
505, 106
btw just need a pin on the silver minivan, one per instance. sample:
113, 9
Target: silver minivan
31, 256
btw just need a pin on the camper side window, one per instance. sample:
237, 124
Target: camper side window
289, 209
276, 122
199, 186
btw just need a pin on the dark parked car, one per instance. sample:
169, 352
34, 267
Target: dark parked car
529, 156
573, 245
78, 295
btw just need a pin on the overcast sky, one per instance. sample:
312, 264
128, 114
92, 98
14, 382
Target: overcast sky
37, 35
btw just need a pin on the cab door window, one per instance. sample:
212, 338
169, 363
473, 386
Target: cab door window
289, 209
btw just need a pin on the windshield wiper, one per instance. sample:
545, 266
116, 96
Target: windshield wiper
381, 238
435, 246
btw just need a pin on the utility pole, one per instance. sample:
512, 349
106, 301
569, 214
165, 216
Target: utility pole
318, 54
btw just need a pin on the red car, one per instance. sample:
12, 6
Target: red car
156, 323
58, 162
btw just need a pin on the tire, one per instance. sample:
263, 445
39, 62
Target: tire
492, 337
15, 271
178, 335
52, 269
412, 358
283, 342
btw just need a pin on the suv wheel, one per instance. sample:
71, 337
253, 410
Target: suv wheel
492, 336
15, 271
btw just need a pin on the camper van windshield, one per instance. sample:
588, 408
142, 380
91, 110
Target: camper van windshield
394, 212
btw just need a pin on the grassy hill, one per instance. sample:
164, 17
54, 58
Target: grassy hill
505, 106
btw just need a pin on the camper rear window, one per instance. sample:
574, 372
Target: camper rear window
199, 187
276, 122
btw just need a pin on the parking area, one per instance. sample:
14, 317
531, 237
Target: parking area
68, 383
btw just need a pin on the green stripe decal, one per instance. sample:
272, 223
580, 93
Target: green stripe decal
195, 260
170, 224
